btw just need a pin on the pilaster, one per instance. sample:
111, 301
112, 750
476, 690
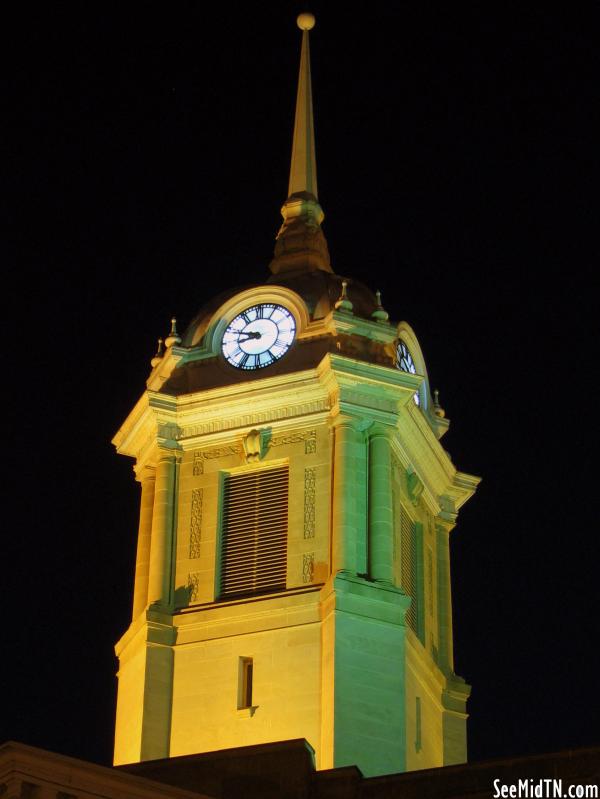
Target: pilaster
163, 526
142, 562
381, 514
143, 723
349, 450
444, 596
363, 676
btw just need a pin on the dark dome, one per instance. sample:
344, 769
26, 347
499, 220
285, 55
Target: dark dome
320, 291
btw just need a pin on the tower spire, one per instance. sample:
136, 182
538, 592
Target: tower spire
303, 169
301, 245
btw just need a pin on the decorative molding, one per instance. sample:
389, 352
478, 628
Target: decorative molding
293, 438
397, 470
309, 501
255, 445
367, 399
310, 446
414, 487
193, 584
196, 523
198, 467
227, 422
308, 567
169, 431
221, 452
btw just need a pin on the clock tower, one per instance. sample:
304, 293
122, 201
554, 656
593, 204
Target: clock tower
292, 576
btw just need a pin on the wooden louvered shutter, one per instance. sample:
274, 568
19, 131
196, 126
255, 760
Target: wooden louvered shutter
408, 555
254, 535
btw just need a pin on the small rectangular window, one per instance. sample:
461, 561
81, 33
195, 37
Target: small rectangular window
246, 668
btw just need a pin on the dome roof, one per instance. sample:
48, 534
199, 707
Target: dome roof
320, 291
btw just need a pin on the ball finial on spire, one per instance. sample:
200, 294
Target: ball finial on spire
306, 21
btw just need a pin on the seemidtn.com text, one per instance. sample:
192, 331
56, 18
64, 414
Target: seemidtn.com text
543, 789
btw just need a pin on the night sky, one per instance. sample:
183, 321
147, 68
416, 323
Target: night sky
456, 153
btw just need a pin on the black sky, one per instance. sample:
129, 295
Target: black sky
456, 154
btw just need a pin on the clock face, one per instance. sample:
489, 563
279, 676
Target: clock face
258, 336
405, 363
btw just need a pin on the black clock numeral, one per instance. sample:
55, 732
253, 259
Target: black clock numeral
244, 360
260, 309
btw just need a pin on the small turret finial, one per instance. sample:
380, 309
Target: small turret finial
380, 314
160, 351
173, 338
437, 408
344, 303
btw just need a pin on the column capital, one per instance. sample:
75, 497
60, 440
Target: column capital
145, 473
166, 455
379, 430
444, 526
357, 424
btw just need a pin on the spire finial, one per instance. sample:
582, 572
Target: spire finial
303, 170
306, 21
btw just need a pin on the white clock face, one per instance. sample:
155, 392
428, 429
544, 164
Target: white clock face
405, 363
258, 336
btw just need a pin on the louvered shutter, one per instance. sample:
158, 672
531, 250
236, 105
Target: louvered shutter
254, 534
408, 555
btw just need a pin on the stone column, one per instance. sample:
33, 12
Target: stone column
159, 582
347, 445
381, 514
444, 596
142, 561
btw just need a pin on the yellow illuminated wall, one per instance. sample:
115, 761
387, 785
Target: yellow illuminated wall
334, 658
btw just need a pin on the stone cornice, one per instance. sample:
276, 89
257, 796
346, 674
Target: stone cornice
160, 420
339, 385
358, 388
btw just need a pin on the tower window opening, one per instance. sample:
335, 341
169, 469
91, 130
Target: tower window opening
254, 532
246, 669
412, 576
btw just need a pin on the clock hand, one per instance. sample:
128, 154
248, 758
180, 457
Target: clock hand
250, 334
